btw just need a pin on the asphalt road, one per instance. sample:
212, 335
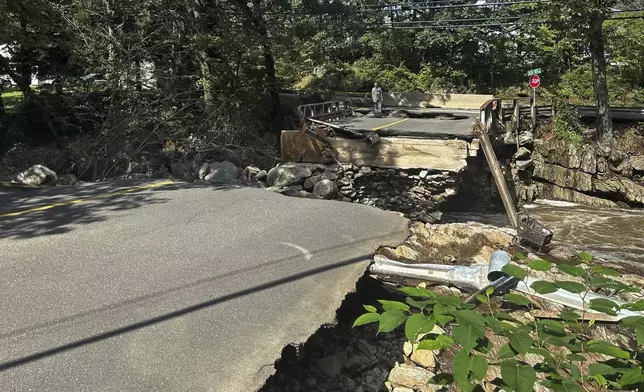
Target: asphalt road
170, 288
450, 123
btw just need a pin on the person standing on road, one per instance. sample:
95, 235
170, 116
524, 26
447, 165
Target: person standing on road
376, 96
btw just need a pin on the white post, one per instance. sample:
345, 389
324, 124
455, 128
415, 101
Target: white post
533, 109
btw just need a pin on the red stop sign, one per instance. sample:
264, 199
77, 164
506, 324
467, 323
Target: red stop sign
535, 81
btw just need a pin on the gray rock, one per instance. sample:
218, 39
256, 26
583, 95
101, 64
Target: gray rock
286, 175
588, 161
249, 174
66, 180
204, 170
522, 153
261, 176
330, 176
359, 389
625, 168
295, 386
329, 366
37, 175
524, 164
423, 173
222, 173
637, 161
402, 389
348, 384
617, 156
326, 189
310, 182
525, 138
365, 169
365, 348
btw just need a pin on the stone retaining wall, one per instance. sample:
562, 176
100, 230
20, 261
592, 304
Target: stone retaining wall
585, 174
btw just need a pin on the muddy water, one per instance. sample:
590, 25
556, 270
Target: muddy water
612, 234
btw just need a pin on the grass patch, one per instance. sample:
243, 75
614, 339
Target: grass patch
11, 100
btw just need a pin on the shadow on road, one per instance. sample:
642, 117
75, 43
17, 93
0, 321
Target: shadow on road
33, 213
185, 311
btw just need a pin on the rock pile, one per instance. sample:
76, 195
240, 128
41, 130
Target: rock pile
40, 175
414, 192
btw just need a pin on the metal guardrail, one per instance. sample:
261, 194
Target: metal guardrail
325, 110
480, 277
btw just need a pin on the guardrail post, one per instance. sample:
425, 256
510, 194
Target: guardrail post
516, 116
502, 114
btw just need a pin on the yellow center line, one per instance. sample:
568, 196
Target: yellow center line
388, 125
78, 201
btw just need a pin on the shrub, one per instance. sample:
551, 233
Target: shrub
566, 123
562, 345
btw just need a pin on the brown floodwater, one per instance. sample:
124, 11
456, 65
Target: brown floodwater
612, 234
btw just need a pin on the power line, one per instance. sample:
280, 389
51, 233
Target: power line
419, 6
434, 25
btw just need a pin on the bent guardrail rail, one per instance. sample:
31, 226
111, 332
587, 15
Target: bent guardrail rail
480, 277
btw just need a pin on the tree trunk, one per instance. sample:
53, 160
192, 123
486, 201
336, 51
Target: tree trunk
206, 79
604, 120
256, 21
273, 88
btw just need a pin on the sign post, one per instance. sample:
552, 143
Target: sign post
535, 82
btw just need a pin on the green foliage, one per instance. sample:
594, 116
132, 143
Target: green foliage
560, 370
566, 124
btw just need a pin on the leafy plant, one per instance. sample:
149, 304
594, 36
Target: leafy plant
563, 345
566, 124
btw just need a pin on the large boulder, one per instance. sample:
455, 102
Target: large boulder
287, 175
564, 177
37, 175
224, 173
